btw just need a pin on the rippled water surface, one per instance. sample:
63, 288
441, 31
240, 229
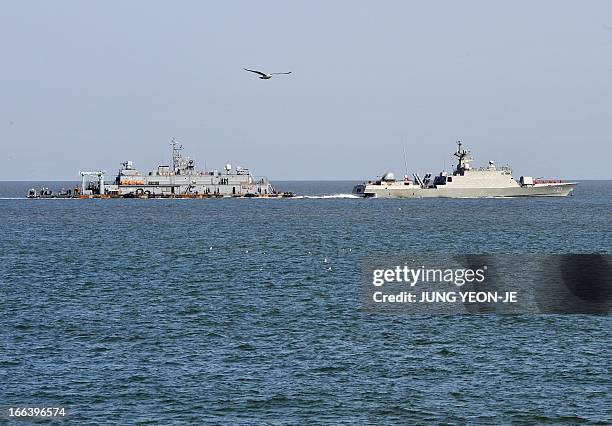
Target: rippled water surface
248, 310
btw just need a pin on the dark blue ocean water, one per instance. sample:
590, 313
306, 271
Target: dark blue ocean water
224, 310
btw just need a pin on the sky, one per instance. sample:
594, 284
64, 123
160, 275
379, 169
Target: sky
375, 86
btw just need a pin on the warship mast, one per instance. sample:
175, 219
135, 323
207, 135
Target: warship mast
176, 155
464, 158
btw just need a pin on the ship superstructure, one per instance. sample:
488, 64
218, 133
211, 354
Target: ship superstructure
464, 182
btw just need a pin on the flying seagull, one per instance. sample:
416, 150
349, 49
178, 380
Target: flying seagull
265, 76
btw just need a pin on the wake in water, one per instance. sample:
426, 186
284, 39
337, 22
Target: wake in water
326, 196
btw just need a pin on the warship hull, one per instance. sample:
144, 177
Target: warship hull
415, 191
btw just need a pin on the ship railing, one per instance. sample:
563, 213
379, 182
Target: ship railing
501, 168
542, 181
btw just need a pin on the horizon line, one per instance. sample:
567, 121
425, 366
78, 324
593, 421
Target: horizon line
289, 180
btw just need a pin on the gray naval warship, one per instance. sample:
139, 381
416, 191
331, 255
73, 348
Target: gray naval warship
464, 182
181, 180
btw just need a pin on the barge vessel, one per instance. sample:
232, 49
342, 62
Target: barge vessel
181, 180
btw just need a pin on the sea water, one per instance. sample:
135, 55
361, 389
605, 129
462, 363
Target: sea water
248, 310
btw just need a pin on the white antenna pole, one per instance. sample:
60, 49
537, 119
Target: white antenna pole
405, 157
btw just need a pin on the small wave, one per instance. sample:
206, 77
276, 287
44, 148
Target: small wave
243, 346
321, 197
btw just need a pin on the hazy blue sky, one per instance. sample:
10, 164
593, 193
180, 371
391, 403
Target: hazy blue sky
88, 84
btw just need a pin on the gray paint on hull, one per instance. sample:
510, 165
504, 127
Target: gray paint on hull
414, 191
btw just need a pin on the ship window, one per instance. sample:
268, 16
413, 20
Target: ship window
449, 179
439, 180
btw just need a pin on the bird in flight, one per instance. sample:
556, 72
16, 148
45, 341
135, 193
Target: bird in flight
265, 76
